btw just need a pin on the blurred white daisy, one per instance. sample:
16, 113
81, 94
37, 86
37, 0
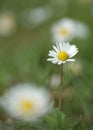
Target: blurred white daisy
36, 16
62, 53
26, 102
7, 23
55, 81
64, 30
67, 29
82, 30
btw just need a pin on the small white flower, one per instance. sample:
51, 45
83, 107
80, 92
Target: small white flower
62, 53
7, 23
40, 14
26, 102
55, 81
67, 29
36, 16
64, 30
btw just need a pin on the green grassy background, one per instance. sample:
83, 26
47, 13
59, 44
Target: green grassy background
23, 55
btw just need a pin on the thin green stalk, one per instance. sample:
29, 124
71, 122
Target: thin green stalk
60, 95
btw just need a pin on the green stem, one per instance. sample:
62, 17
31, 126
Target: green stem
60, 95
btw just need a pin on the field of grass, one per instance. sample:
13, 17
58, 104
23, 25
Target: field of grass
23, 59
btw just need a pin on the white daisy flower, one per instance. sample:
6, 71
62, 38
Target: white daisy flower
7, 23
62, 53
55, 81
40, 14
26, 102
64, 30
36, 16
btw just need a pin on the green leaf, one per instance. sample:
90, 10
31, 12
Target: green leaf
79, 125
56, 119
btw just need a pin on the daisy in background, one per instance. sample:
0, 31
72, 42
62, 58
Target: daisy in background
62, 53
36, 16
26, 102
7, 23
63, 30
55, 81
66, 29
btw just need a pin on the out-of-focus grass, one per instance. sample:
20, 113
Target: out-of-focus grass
23, 55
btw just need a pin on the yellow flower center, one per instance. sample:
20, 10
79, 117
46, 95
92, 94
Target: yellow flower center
63, 56
26, 105
63, 31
